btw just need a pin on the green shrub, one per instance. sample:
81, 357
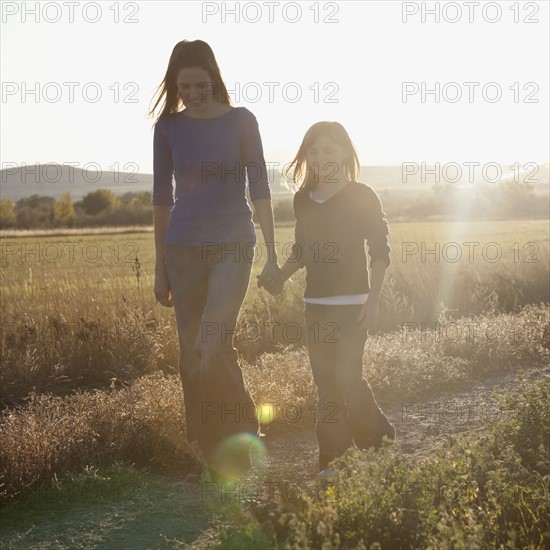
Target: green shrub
477, 491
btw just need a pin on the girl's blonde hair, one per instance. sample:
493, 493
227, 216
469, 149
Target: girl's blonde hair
297, 173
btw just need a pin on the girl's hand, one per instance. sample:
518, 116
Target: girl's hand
368, 315
163, 293
271, 279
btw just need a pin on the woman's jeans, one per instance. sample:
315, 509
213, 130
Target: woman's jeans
208, 285
347, 411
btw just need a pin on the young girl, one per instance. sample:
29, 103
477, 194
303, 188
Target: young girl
334, 215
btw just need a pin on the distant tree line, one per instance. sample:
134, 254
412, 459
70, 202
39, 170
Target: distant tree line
97, 208
507, 199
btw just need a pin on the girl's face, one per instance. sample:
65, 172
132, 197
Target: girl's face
195, 88
325, 158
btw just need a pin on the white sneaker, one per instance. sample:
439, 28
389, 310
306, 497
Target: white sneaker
327, 474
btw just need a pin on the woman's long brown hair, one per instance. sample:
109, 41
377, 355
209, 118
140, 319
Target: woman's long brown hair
188, 53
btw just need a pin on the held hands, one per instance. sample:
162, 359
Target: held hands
271, 278
368, 316
163, 292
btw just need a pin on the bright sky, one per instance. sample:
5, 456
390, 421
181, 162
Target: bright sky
348, 60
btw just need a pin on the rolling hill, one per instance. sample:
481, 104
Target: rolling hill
53, 179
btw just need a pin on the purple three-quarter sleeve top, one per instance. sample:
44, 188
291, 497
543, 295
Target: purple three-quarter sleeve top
208, 158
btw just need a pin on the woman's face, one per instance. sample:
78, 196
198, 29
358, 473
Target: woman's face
325, 158
195, 88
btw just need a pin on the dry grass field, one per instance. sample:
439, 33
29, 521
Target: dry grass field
92, 428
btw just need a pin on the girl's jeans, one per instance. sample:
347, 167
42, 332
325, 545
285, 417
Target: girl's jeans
209, 284
347, 411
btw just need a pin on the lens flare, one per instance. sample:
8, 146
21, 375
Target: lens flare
266, 413
232, 457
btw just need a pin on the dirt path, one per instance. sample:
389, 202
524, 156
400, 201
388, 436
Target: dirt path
421, 427
158, 511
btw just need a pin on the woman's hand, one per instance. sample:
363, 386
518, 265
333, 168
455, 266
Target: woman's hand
368, 315
271, 278
163, 292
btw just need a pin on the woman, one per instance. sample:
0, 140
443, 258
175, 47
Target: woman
203, 241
